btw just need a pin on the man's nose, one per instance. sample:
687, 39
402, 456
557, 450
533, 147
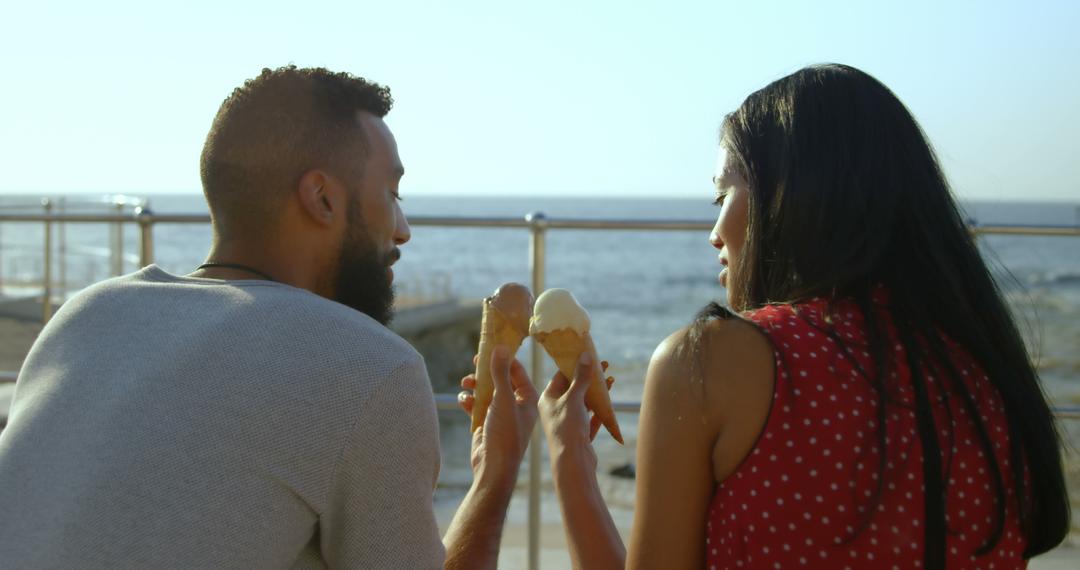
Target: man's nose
402, 232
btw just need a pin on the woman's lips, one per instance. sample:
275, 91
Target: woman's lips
723, 277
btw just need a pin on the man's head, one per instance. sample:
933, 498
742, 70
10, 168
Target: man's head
300, 160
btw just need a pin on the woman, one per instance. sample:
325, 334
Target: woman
870, 404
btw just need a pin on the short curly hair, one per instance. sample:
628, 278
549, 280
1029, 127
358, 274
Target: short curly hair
273, 129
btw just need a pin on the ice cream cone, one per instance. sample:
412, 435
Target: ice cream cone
495, 329
565, 347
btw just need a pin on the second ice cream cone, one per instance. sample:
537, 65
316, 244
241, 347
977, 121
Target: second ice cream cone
565, 347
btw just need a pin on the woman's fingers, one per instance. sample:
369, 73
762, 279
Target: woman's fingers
594, 426
557, 387
585, 373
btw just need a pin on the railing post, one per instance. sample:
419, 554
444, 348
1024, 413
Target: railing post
537, 232
61, 228
1, 259
46, 278
117, 249
146, 235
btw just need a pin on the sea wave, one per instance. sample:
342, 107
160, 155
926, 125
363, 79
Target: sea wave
1055, 278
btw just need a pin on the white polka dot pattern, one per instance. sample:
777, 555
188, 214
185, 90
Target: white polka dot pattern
805, 495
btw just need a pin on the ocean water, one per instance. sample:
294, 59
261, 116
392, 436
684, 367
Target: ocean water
638, 286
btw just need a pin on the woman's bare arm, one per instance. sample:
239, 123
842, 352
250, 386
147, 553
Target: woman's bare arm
681, 431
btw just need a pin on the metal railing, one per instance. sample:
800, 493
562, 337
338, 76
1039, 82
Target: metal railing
117, 204
536, 223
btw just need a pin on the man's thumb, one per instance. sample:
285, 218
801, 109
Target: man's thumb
500, 372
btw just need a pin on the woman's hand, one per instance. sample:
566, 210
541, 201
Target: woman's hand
591, 535
566, 420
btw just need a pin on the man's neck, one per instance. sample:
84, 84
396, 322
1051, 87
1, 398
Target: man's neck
233, 261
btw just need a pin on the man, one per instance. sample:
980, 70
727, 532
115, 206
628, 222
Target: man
244, 416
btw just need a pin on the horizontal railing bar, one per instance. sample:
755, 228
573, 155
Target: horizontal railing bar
468, 221
1010, 229
630, 224
562, 223
501, 222
449, 402
70, 218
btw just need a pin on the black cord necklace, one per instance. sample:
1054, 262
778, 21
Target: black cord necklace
237, 266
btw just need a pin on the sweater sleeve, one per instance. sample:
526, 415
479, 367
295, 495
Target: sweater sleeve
380, 511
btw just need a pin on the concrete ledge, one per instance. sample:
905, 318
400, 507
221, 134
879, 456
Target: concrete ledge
447, 334
21, 308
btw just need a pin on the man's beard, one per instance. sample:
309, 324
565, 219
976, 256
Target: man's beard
362, 281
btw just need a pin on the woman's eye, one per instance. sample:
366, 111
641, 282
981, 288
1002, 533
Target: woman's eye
719, 201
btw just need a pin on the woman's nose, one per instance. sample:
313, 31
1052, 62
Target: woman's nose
714, 238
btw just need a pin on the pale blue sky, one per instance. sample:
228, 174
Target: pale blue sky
531, 98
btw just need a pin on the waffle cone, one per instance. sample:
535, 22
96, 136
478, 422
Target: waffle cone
565, 347
495, 329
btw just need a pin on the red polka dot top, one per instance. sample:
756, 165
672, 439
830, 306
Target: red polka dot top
803, 497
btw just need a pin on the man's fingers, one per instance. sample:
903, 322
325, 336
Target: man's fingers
603, 365
610, 380
500, 373
523, 386
469, 382
466, 400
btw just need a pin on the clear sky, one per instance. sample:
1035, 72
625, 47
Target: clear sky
615, 98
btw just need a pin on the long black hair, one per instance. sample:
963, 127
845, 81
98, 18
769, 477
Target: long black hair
846, 194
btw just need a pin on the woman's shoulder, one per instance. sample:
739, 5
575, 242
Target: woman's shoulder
720, 362
728, 338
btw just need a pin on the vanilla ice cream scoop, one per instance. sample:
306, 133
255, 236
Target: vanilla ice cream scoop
561, 325
558, 309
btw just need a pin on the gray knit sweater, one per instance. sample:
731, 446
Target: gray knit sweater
172, 422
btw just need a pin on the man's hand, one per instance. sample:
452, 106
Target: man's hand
472, 541
499, 445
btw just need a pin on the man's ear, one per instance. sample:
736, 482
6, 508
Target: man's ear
321, 197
